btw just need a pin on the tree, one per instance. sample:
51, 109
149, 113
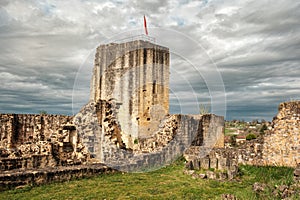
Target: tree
263, 128
43, 112
233, 140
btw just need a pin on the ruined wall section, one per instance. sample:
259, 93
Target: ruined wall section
282, 143
249, 153
135, 75
18, 129
38, 141
280, 146
175, 134
213, 131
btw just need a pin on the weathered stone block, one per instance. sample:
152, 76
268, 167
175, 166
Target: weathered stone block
196, 164
214, 163
205, 163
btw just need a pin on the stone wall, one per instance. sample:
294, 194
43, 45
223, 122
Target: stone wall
282, 143
248, 153
217, 164
21, 178
175, 134
16, 129
280, 146
35, 141
39, 149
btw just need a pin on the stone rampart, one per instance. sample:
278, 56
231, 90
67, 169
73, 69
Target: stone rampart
280, 146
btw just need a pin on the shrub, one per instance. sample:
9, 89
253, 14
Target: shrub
204, 109
250, 136
263, 128
43, 112
233, 140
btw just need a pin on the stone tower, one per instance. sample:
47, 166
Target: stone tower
132, 77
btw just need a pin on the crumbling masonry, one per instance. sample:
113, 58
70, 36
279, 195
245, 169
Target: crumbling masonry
128, 109
280, 146
125, 125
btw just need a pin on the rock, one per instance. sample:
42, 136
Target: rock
282, 188
195, 176
297, 174
228, 197
284, 191
211, 175
196, 164
258, 187
189, 172
222, 175
202, 176
232, 173
285, 194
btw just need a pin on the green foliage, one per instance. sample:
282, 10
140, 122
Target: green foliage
136, 141
229, 131
263, 128
211, 169
204, 109
43, 112
269, 174
250, 136
233, 140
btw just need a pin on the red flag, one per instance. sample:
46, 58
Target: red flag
145, 25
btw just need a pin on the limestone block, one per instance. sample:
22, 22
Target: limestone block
214, 163
205, 163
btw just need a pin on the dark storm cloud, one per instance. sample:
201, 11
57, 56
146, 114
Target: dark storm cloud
47, 45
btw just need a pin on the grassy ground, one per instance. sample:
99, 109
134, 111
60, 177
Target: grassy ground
229, 131
165, 183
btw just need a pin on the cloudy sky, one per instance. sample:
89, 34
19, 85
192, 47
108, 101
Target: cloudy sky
241, 54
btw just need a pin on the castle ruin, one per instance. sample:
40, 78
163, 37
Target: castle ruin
129, 108
127, 126
279, 146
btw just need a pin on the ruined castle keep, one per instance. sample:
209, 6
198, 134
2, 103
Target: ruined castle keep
129, 106
135, 75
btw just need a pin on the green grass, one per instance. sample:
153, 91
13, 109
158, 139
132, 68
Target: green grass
229, 131
166, 183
